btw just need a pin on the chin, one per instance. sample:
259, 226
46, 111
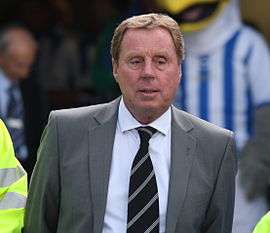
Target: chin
147, 105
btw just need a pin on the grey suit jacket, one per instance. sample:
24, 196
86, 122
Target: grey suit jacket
69, 185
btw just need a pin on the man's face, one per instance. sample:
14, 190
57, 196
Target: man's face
17, 62
148, 72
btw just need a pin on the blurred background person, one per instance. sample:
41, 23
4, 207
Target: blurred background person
225, 77
19, 96
13, 186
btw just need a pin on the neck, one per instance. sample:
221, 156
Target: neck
146, 116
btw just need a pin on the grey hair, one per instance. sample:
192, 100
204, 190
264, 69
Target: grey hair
6, 38
148, 21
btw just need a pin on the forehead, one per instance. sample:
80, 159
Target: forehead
147, 39
21, 50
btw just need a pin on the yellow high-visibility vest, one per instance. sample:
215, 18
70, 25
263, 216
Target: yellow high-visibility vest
263, 226
13, 186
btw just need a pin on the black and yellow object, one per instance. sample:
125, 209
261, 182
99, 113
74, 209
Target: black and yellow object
176, 8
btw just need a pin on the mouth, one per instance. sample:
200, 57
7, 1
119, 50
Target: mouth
148, 92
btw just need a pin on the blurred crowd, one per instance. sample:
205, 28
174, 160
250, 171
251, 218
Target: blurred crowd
69, 66
67, 33
56, 54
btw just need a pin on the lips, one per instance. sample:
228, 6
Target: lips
148, 91
148, 94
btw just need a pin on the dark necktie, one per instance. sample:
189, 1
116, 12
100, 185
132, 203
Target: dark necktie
15, 122
143, 205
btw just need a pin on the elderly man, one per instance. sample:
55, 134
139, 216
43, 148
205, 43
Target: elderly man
136, 164
20, 105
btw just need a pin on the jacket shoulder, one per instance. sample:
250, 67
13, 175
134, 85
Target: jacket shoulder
94, 114
200, 128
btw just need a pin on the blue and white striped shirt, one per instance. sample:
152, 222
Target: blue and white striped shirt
225, 85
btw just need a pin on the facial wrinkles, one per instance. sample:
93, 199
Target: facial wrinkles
142, 42
147, 51
146, 88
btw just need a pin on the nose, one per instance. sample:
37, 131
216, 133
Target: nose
148, 70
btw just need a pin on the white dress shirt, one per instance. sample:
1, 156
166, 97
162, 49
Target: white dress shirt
126, 145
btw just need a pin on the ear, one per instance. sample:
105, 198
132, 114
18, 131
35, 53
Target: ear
115, 70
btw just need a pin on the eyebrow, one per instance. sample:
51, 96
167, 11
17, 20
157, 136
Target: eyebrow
135, 53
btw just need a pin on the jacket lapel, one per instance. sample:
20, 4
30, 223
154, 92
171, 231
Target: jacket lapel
182, 150
101, 139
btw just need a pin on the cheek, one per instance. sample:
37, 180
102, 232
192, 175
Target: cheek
126, 83
171, 84
127, 78
171, 90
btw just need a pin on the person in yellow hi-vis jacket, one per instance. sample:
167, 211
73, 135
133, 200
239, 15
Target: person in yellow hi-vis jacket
263, 226
13, 186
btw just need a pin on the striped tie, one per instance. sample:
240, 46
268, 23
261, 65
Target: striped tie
143, 205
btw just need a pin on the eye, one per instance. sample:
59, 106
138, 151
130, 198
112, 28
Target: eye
135, 62
161, 62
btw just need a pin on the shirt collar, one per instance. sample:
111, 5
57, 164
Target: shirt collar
128, 122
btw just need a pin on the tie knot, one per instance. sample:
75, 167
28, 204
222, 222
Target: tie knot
146, 133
